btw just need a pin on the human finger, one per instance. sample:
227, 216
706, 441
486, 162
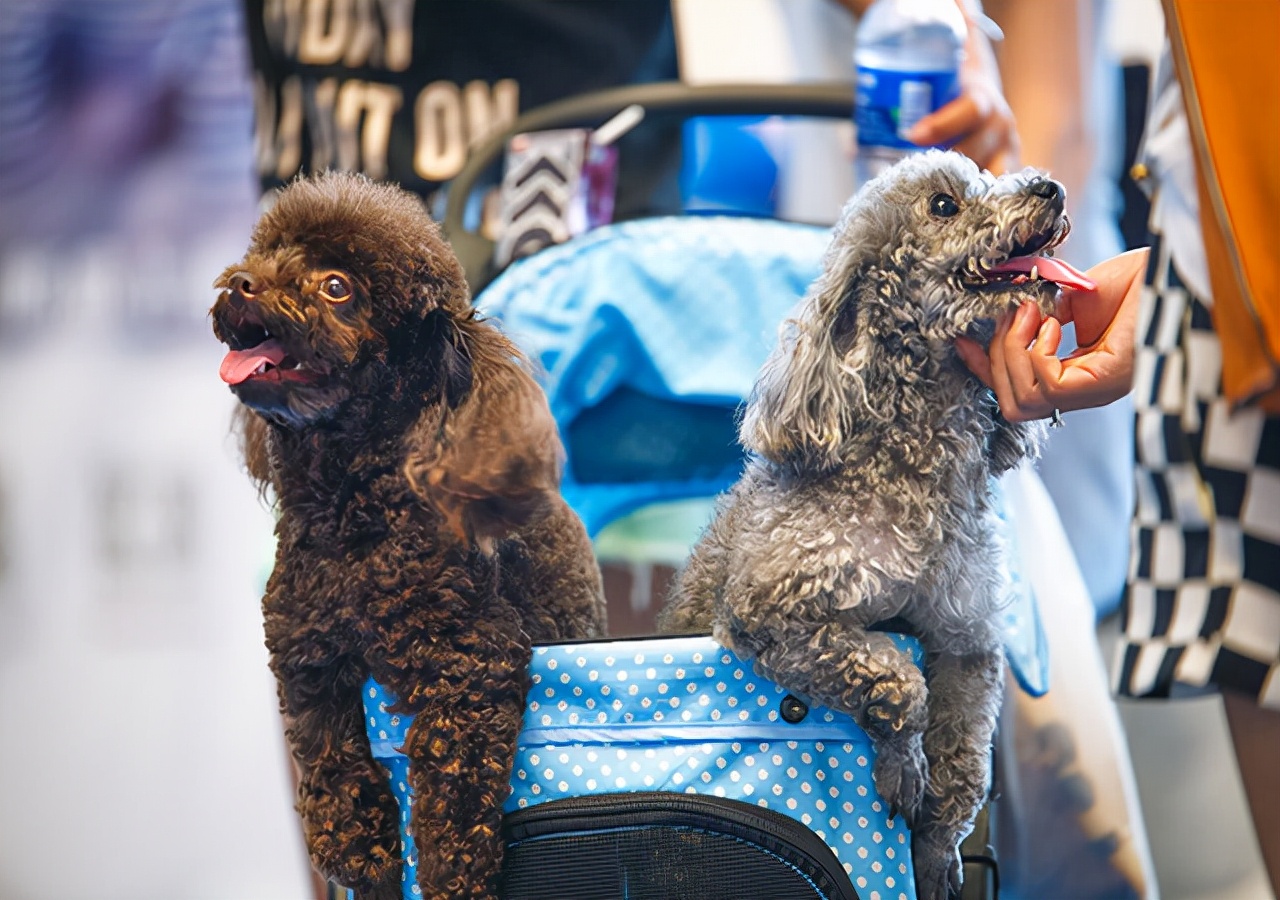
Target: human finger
1017, 345
1001, 384
1004, 161
1118, 283
984, 146
950, 122
974, 358
1070, 384
1080, 383
1046, 370
1083, 380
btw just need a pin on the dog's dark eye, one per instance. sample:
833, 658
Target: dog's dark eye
335, 288
943, 206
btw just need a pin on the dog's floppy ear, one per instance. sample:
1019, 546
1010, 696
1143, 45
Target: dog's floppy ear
1010, 443
451, 352
253, 435
487, 458
799, 409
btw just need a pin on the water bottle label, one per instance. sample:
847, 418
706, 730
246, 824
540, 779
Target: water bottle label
889, 102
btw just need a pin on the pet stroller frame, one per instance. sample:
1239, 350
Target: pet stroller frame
660, 101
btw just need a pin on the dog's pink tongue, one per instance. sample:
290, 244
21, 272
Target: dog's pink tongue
238, 365
1049, 268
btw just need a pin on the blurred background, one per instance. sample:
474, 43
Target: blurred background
142, 755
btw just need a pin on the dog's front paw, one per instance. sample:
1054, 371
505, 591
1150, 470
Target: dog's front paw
363, 863
896, 704
937, 862
352, 834
901, 773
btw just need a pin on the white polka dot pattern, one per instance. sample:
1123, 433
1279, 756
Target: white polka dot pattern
683, 714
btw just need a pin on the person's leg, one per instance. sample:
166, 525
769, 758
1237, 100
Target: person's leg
1255, 731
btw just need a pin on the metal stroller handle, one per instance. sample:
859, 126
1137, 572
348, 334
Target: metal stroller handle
667, 99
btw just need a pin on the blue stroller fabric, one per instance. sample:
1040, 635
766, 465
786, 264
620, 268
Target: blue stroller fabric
674, 315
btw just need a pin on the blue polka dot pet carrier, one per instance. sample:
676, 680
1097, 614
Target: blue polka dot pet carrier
676, 745
665, 768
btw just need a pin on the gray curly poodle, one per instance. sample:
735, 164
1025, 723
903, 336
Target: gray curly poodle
868, 497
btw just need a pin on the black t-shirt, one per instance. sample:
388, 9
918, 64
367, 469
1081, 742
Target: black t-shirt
400, 89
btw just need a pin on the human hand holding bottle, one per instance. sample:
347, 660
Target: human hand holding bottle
979, 122
1021, 364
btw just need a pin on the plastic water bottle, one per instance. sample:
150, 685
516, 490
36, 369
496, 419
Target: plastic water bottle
907, 56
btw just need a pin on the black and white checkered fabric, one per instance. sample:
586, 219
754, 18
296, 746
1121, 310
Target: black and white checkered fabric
1203, 599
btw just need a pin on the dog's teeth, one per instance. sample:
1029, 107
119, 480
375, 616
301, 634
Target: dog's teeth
262, 368
1035, 273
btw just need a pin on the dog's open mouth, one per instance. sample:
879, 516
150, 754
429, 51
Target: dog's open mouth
268, 361
1029, 264
1022, 269
258, 355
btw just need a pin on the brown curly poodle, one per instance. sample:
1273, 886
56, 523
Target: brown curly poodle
421, 535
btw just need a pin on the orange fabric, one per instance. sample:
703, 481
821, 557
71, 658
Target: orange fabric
1228, 60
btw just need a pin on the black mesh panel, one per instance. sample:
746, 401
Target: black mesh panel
651, 863
665, 846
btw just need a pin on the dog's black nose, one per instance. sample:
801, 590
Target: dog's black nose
1045, 188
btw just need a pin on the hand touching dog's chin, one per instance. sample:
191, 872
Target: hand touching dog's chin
981, 331
982, 327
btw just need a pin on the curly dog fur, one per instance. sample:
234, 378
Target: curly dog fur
868, 497
421, 536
